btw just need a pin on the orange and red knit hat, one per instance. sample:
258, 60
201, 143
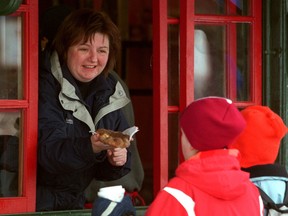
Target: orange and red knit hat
260, 141
211, 123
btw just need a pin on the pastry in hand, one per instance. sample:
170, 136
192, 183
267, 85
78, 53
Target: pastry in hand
115, 139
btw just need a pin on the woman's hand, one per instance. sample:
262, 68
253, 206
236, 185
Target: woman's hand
117, 156
97, 145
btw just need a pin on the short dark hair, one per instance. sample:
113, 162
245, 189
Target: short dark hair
83, 24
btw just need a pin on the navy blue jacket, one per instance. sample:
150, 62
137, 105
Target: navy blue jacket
66, 162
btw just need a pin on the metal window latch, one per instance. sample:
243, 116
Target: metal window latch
275, 52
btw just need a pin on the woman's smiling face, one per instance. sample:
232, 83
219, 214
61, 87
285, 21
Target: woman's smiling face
86, 60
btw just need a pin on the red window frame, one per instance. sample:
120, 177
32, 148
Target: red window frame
188, 19
29, 109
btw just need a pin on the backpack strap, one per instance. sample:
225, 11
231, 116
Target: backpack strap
270, 204
286, 194
266, 199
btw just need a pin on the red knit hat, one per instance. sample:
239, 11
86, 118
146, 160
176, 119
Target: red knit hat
211, 123
260, 141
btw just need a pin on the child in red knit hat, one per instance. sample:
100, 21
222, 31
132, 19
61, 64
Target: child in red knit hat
259, 144
210, 181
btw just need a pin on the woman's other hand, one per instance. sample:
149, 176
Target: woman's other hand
117, 156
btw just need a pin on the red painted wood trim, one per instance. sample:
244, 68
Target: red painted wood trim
160, 95
29, 109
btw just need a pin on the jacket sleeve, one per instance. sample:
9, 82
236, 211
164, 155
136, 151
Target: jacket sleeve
165, 204
108, 172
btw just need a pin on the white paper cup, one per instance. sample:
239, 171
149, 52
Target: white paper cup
113, 193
